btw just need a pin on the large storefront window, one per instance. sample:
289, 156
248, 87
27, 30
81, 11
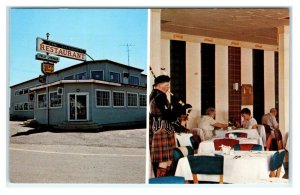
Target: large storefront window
102, 98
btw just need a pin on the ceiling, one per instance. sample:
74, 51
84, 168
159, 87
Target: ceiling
251, 25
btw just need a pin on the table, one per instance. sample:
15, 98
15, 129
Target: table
208, 145
252, 134
251, 167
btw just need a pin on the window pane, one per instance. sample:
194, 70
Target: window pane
115, 77
55, 100
133, 80
103, 98
42, 103
143, 100
69, 77
80, 76
132, 99
118, 99
97, 75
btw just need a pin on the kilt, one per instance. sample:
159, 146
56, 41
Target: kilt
162, 147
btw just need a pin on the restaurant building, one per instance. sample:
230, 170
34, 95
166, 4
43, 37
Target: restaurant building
102, 92
224, 58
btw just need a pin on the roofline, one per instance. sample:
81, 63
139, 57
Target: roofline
83, 63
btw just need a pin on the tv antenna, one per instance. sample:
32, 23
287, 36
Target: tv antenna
128, 51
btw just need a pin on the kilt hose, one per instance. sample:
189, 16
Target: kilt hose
162, 147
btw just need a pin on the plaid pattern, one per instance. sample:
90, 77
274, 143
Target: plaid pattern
234, 72
162, 147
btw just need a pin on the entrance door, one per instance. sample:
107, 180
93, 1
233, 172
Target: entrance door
78, 106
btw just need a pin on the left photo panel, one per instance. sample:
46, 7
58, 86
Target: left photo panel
77, 95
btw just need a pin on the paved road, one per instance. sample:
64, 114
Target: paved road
103, 157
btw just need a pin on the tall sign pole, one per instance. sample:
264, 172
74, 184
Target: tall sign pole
47, 89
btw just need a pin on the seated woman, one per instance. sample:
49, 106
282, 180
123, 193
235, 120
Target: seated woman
248, 121
208, 123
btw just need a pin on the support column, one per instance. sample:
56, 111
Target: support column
154, 44
247, 71
193, 82
269, 81
283, 69
221, 80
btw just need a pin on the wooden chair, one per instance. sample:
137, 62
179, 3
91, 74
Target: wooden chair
247, 147
226, 142
238, 134
211, 165
276, 163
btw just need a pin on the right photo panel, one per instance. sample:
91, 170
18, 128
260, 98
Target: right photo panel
219, 96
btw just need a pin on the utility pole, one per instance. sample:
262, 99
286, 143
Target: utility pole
47, 90
128, 51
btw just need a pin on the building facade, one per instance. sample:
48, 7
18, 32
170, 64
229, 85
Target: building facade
102, 92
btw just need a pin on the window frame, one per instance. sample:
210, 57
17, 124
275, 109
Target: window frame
137, 99
135, 77
116, 73
110, 98
37, 101
96, 71
123, 100
143, 94
79, 74
52, 107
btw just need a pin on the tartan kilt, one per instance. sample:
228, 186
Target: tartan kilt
162, 147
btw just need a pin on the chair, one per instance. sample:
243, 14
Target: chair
226, 142
178, 153
167, 180
238, 134
211, 165
276, 163
273, 143
247, 147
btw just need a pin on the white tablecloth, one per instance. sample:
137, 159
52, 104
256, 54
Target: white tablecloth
251, 167
252, 134
183, 139
209, 147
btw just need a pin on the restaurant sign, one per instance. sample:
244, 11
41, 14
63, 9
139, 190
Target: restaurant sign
44, 57
43, 45
47, 68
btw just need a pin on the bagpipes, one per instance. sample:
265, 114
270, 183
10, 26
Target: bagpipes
181, 109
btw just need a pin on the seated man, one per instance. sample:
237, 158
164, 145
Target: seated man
208, 123
272, 128
248, 121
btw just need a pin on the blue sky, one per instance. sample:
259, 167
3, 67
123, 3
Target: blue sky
102, 32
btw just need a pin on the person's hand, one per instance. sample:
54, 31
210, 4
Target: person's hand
161, 131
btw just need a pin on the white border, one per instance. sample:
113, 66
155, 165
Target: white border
109, 98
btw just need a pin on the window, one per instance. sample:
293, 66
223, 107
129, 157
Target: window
25, 106
21, 92
71, 77
30, 105
133, 80
80, 76
55, 100
102, 98
143, 100
97, 75
119, 99
42, 101
26, 91
132, 99
21, 107
115, 77
16, 92
16, 106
